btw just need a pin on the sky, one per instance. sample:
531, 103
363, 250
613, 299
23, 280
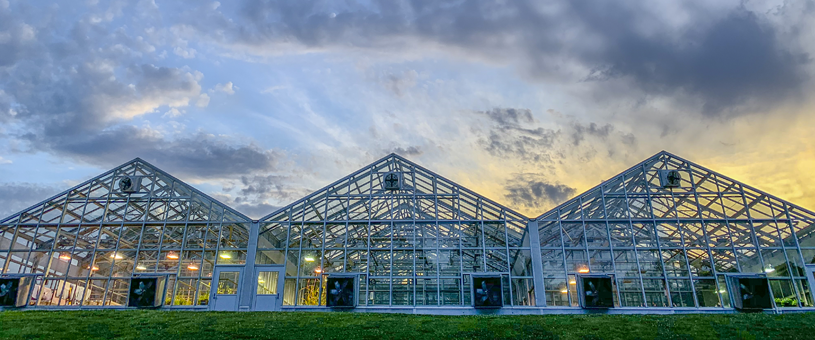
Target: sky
529, 103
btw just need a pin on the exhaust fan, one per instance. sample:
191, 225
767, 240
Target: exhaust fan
670, 178
146, 292
129, 184
488, 292
596, 291
14, 290
392, 181
340, 292
750, 292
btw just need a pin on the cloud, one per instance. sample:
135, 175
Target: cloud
721, 59
410, 151
184, 52
18, 196
203, 100
507, 138
198, 155
514, 134
399, 83
534, 191
225, 88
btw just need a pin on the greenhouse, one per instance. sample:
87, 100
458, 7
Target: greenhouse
666, 235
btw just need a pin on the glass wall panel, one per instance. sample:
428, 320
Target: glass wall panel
707, 293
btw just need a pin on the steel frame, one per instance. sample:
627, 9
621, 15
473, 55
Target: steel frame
432, 231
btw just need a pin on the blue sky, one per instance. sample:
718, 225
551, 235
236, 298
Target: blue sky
527, 102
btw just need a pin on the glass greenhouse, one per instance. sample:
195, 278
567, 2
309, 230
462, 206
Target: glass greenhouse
666, 235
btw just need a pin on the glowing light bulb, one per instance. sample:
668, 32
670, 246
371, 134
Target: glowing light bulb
309, 259
172, 256
583, 270
769, 270
141, 267
65, 256
572, 282
116, 256
192, 267
564, 291
225, 255
94, 268
318, 270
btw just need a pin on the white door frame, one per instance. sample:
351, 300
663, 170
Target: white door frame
281, 273
216, 275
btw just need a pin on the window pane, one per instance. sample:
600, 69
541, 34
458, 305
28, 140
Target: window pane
308, 292
706, 293
556, 292
267, 283
427, 292
783, 293
655, 292
450, 291
228, 282
681, 293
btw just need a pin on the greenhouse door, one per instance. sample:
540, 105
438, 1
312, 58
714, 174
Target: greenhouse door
226, 290
267, 289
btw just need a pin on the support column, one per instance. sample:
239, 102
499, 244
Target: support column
537, 264
248, 281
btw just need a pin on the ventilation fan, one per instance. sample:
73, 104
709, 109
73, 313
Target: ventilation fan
14, 290
340, 292
487, 292
129, 184
750, 292
670, 178
596, 291
392, 181
146, 292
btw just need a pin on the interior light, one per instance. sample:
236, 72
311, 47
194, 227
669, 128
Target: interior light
141, 267
583, 270
117, 256
309, 259
225, 255
572, 282
769, 270
65, 256
172, 256
192, 267
94, 268
723, 291
564, 291
318, 270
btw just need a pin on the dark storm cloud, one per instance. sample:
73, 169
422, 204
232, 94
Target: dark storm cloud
197, 155
721, 63
534, 191
736, 61
18, 196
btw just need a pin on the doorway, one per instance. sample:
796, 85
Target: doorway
268, 288
226, 289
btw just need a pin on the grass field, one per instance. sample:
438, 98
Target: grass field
348, 326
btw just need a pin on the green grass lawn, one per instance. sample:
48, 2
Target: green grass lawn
347, 326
